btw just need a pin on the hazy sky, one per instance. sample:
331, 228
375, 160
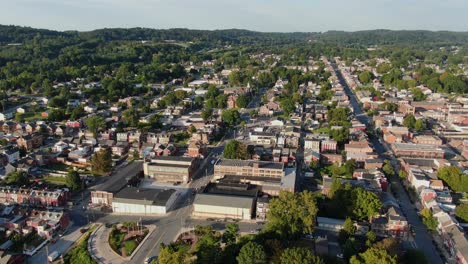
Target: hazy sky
260, 15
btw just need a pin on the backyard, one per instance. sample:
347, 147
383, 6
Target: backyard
125, 238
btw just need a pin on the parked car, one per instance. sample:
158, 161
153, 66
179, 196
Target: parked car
148, 260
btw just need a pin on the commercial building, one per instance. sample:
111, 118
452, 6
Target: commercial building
103, 194
170, 169
223, 206
132, 200
248, 168
418, 150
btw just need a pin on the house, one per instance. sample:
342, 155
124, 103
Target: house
196, 149
329, 146
30, 142
12, 154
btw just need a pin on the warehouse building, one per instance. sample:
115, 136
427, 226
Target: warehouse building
132, 200
226, 200
103, 194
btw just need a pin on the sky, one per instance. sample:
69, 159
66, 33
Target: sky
258, 15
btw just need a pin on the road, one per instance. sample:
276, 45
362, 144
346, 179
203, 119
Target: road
422, 239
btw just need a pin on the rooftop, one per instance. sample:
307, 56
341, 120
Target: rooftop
224, 200
250, 163
119, 180
144, 196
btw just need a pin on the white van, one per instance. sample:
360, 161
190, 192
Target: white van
53, 256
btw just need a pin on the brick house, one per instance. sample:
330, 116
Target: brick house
30, 141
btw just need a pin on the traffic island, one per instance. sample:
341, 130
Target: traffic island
125, 238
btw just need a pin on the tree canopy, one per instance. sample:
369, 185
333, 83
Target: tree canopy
299, 255
292, 214
454, 178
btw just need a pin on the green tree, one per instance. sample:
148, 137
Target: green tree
19, 117
429, 220
291, 214
73, 180
365, 77
102, 161
94, 124
418, 94
371, 237
299, 255
19, 178
231, 233
77, 113
252, 253
403, 175
462, 212
420, 125
388, 169
242, 101
409, 121
347, 231
207, 114
131, 117
172, 254
287, 105
335, 186
235, 150
365, 204
373, 256
231, 117
454, 178
383, 68
234, 78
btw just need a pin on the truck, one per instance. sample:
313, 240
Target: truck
53, 256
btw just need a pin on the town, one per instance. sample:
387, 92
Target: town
347, 157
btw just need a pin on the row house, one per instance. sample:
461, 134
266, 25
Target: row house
161, 138
47, 223
393, 224
34, 197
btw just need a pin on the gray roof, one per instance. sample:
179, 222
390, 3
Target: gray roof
135, 195
250, 163
224, 200
119, 180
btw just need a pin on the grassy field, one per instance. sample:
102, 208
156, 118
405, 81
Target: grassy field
55, 180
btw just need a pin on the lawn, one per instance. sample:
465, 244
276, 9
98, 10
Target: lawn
30, 116
55, 180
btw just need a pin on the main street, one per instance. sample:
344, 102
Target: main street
422, 237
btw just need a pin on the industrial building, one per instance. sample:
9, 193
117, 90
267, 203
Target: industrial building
170, 169
132, 200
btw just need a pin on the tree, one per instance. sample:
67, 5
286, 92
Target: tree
77, 113
402, 174
172, 254
242, 101
390, 245
102, 161
371, 237
299, 255
231, 117
373, 256
236, 150
73, 180
335, 186
131, 116
287, 105
207, 114
94, 124
454, 178
420, 125
291, 214
462, 212
409, 121
231, 233
365, 204
418, 94
365, 77
388, 169
17, 178
252, 253
234, 78
347, 231
384, 68
429, 220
